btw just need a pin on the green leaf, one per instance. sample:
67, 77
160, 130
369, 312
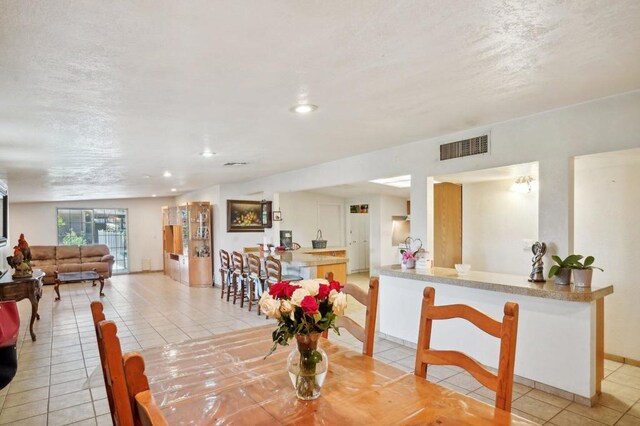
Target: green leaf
554, 270
588, 261
557, 259
571, 260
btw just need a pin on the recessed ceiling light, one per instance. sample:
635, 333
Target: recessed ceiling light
398, 181
303, 108
154, 195
167, 173
207, 153
173, 190
146, 176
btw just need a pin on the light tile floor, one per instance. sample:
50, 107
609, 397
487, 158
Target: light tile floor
57, 382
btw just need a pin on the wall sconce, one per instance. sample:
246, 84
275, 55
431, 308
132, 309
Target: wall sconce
525, 185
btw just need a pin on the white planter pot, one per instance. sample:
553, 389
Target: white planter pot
582, 277
563, 277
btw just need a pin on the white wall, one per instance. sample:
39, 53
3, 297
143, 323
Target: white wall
300, 215
38, 222
607, 202
495, 221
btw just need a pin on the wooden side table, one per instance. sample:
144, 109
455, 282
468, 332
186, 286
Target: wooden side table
24, 288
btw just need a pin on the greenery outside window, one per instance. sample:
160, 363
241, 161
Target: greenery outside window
82, 226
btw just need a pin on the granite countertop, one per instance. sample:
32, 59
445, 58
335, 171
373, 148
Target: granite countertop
505, 283
324, 250
296, 258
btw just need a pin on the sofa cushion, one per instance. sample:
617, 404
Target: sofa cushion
67, 252
101, 268
43, 252
69, 267
93, 253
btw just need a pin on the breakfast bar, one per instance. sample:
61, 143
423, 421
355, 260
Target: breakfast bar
560, 347
315, 263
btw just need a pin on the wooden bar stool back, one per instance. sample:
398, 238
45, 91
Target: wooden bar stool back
239, 277
144, 408
116, 381
273, 268
506, 331
369, 299
97, 312
255, 278
225, 267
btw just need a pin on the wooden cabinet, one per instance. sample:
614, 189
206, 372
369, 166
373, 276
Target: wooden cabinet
447, 221
187, 243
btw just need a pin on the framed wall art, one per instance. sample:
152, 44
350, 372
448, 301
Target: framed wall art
244, 216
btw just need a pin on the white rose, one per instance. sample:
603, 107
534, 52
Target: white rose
298, 295
339, 304
312, 286
269, 306
288, 309
332, 295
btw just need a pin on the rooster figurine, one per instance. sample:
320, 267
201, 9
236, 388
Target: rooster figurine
21, 259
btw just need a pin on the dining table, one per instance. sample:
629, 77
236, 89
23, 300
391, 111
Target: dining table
228, 379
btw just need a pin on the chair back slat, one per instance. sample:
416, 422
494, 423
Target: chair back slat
122, 413
148, 411
274, 270
238, 262
369, 299
97, 312
145, 411
254, 265
507, 330
225, 262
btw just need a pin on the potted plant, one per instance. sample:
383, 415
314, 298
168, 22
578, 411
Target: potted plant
562, 271
583, 271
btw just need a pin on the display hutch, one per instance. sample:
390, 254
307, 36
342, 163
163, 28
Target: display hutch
187, 248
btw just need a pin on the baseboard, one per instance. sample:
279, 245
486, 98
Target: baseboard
142, 272
622, 359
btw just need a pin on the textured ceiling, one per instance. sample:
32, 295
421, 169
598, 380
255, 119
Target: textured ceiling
96, 94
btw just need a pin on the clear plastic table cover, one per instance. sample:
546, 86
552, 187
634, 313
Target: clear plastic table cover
226, 380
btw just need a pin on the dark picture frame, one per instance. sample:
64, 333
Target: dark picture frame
4, 205
277, 216
266, 213
244, 216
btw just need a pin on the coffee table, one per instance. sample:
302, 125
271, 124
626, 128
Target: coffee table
76, 277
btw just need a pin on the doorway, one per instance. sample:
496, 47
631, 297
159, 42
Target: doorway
358, 240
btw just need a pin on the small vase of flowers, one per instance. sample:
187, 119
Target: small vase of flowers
304, 310
408, 260
21, 259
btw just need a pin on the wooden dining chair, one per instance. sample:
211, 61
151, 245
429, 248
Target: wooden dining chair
506, 331
273, 268
369, 299
225, 268
239, 275
255, 277
115, 379
97, 312
145, 411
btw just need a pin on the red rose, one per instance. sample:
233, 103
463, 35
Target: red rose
335, 285
323, 291
278, 290
288, 291
309, 305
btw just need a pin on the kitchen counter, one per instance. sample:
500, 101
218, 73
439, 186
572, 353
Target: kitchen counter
299, 258
505, 283
315, 264
560, 329
329, 249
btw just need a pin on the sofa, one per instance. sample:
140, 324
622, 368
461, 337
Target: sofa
71, 259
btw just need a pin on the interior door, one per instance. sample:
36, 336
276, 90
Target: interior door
447, 232
330, 221
358, 242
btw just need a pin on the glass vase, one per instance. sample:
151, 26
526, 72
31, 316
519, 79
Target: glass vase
307, 366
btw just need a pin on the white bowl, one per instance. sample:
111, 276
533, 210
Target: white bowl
463, 268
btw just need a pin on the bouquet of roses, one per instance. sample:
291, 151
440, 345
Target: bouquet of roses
303, 308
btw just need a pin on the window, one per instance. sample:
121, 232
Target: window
96, 226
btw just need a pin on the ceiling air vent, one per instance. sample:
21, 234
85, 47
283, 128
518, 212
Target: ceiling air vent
236, 163
464, 148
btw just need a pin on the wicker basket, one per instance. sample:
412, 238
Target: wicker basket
319, 243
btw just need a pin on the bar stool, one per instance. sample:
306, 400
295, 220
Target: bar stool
255, 277
274, 272
239, 276
225, 271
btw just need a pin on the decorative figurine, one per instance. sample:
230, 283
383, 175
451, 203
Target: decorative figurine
537, 265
